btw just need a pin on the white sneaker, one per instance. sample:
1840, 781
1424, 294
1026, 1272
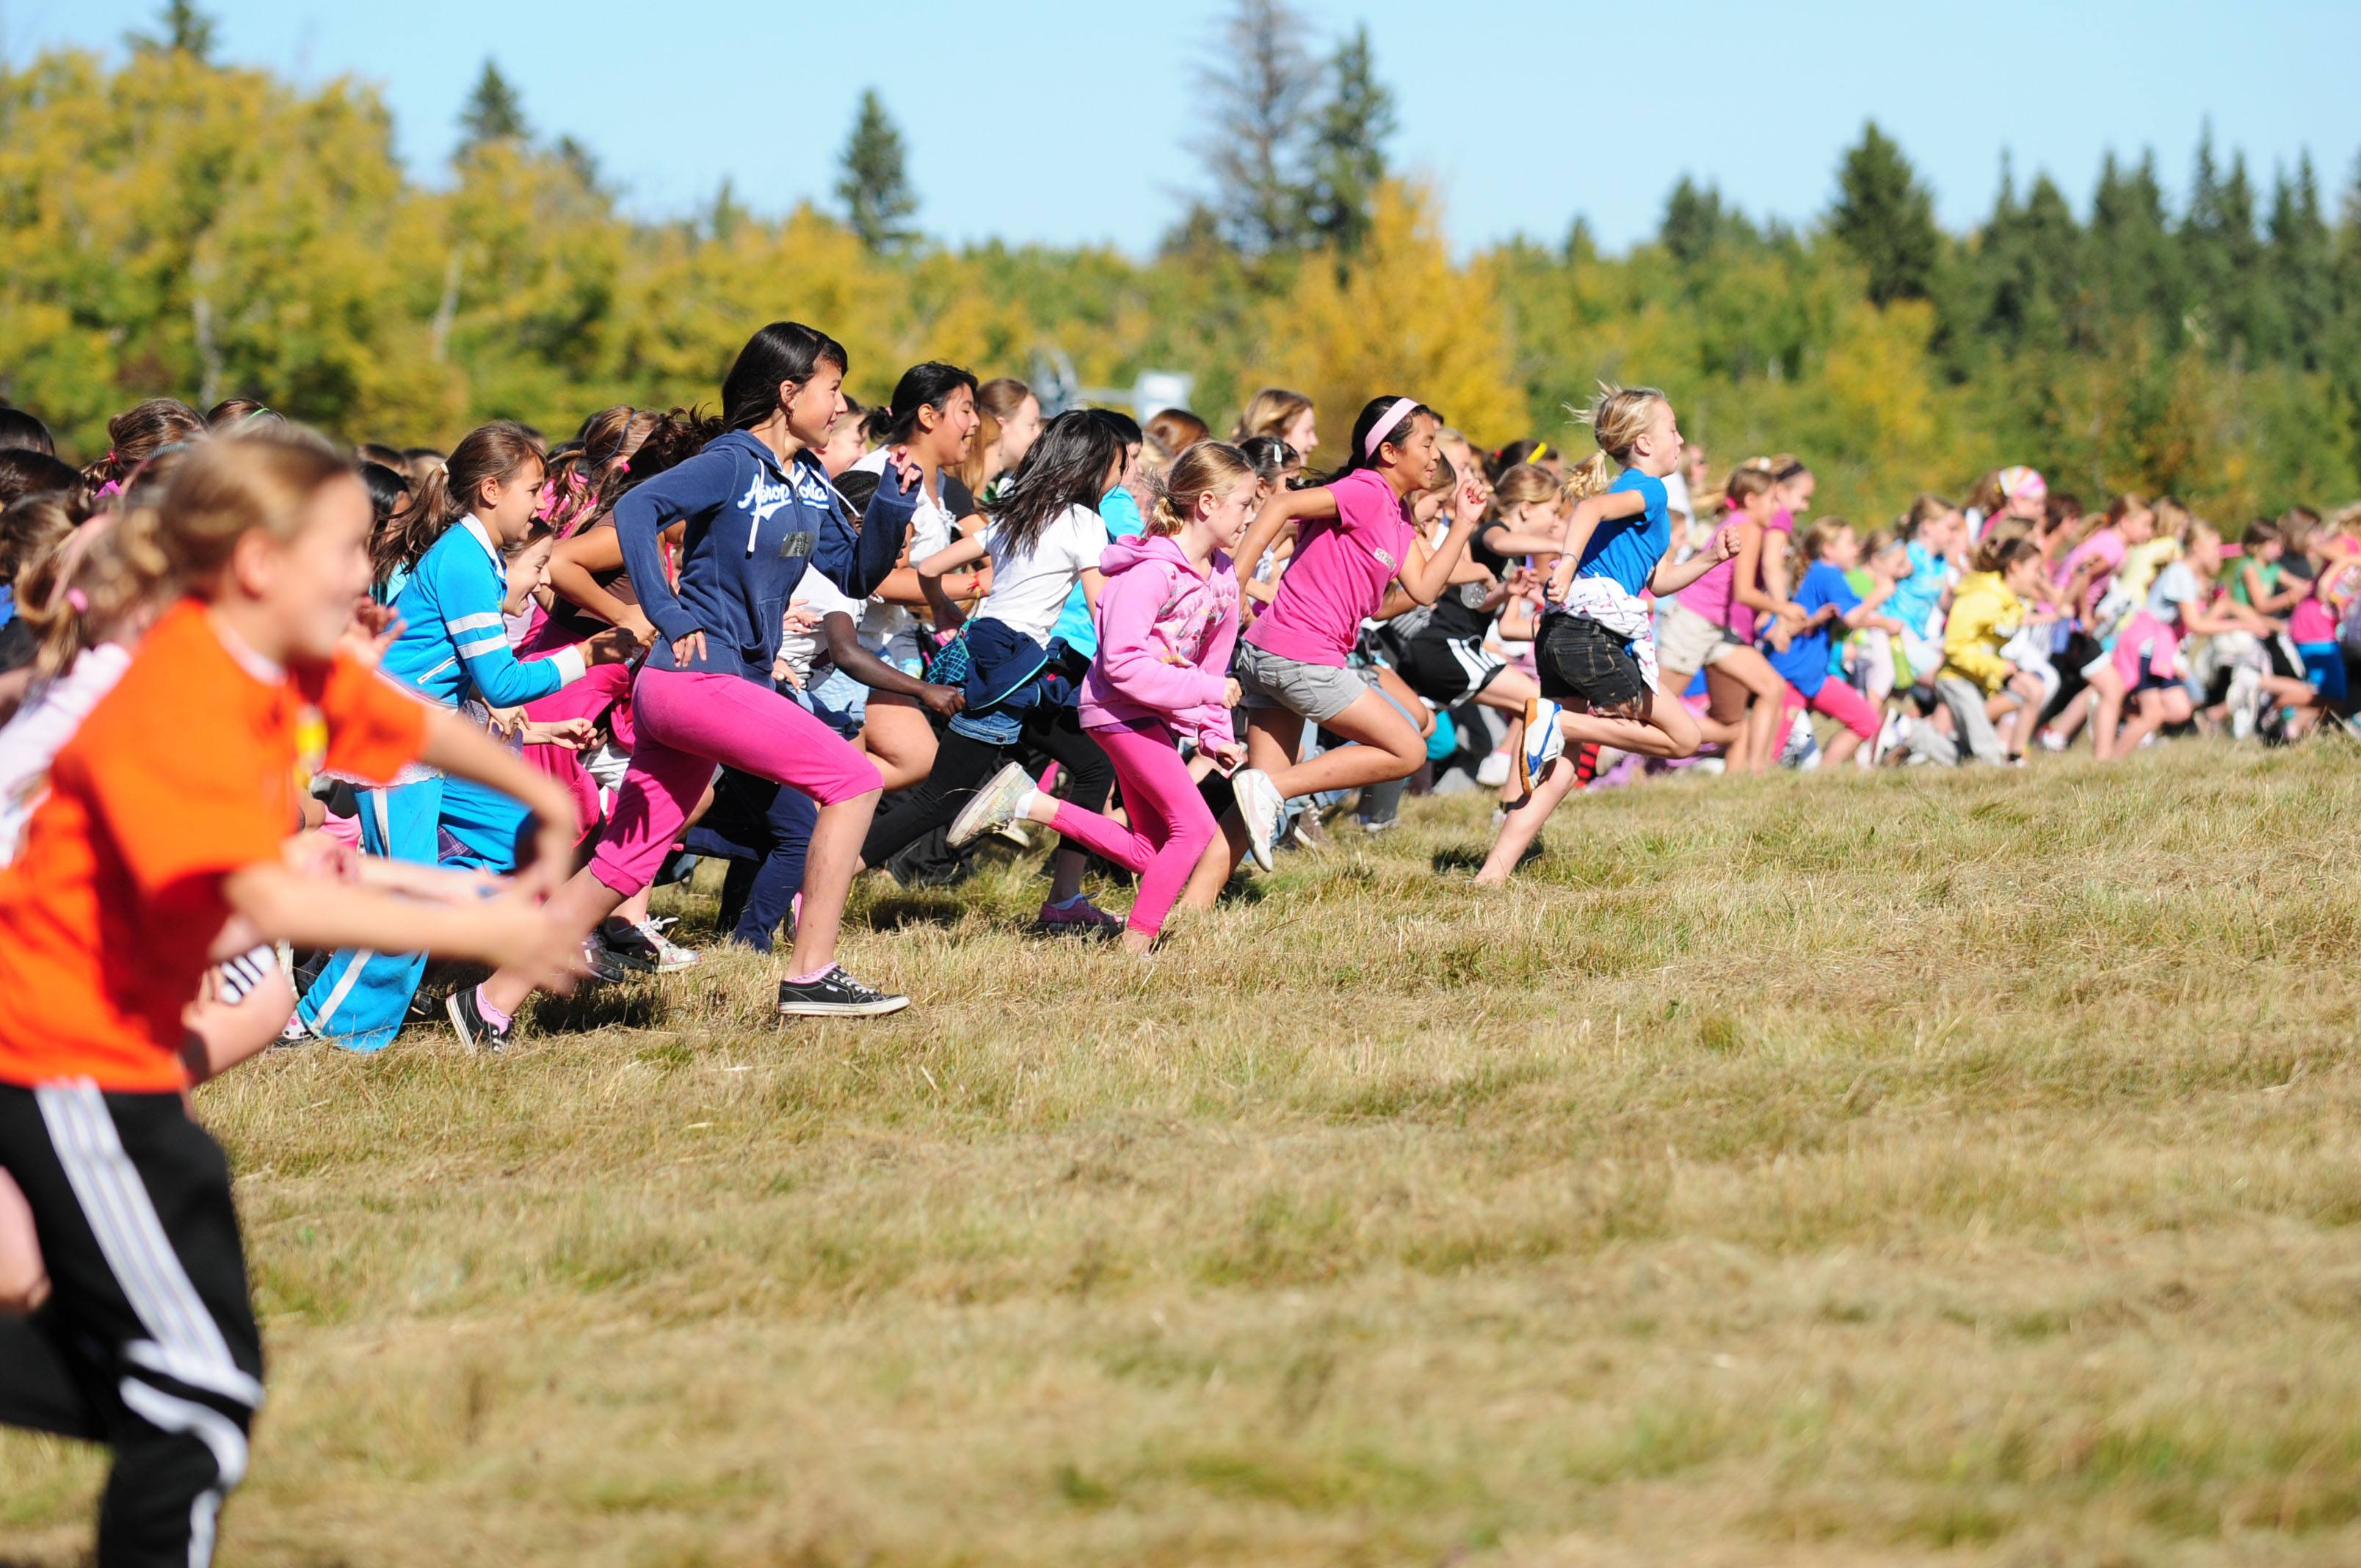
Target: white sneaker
1262, 809
992, 808
2052, 740
1493, 771
1889, 734
1544, 741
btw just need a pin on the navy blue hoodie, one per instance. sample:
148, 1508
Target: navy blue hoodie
752, 527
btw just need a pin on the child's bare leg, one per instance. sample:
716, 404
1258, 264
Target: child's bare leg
24, 1278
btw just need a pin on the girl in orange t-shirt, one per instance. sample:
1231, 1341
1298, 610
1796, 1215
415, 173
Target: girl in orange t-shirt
158, 851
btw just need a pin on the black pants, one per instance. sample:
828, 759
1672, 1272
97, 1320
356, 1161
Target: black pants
147, 1342
963, 765
763, 828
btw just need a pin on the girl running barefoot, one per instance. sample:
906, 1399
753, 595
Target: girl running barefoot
1168, 619
1596, 649
759, 509
1357, 537
160, 848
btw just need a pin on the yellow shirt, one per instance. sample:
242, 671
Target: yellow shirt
1984, 615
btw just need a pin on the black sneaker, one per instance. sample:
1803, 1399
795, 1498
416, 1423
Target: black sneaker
474, 1031
836, 994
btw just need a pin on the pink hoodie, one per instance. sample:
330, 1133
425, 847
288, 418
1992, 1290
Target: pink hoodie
1165, 636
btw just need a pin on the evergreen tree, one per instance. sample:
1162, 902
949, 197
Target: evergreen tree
1348, 137
2136, 266
494, 112
1885, 217
1697, 222
184, 29
1258, 83
2303, 267
874, 187
2205, 248
2247, 314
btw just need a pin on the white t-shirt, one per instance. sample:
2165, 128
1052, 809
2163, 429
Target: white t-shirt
1029, 591
802, 650
931, 528
32, 740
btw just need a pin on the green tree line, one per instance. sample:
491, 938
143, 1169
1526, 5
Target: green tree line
173, 225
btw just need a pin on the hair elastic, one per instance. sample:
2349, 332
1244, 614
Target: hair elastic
1539, 450
1379, 431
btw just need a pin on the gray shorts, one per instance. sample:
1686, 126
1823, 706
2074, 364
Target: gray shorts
1319, 691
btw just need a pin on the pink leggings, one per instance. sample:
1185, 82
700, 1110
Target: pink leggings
1836, 699
690, 719
1171, 823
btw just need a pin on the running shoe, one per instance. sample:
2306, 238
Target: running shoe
2051, 741
836, 994
1262, 809
600, 965
1493, 771
1893, 732
642, 945
993, 808
1080, 919
1544, 741
474, 1031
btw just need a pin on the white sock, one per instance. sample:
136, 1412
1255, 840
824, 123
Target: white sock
1026, 803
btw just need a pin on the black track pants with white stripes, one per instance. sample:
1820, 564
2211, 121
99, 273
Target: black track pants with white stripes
147, 1341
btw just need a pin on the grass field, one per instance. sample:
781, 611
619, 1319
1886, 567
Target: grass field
1960, 1168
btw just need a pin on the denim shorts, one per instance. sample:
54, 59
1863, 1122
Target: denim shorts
1581, 661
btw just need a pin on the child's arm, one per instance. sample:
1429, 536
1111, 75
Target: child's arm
1589, 513
1756, 559
316, 912
699, 484
952, 556
845, 649
455, 746
1288, 505
1127, 657
1671, 576
573, 566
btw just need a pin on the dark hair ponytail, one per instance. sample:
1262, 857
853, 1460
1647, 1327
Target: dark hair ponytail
1371, 413
139, 434
928, 386
495, 450
781, 352
1067, 467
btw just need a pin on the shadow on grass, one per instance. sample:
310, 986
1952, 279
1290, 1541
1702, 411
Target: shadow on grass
899, 910
1460, 857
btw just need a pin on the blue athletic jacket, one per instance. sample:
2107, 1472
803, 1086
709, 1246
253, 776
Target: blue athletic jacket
753, 526
454, 635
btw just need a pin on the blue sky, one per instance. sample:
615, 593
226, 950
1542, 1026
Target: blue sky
1066, 122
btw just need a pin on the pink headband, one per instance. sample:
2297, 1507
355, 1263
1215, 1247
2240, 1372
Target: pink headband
1384, 427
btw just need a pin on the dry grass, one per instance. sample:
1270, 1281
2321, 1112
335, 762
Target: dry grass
1837, 1170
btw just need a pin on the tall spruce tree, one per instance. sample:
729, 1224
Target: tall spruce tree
1885, 217
1349, 134
182, 29
493, 111
874, 186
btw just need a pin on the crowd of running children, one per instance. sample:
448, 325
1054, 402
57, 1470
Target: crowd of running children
283, 720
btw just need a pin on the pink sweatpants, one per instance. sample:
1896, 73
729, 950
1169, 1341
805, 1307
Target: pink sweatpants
690, 719
1170, 824
1837, 700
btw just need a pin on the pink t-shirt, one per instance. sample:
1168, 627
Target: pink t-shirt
1337, 576
2106, 546
1715, 594
2311, 622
